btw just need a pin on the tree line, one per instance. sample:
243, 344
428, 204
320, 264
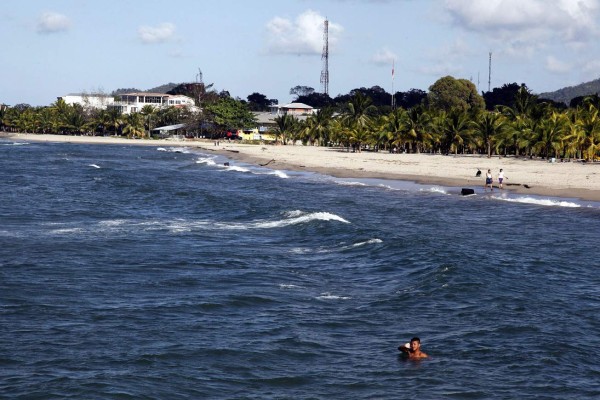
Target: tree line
450, 118
454, 118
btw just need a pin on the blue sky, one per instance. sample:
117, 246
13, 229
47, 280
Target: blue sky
55, 47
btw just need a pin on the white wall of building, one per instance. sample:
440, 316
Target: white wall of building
89, 100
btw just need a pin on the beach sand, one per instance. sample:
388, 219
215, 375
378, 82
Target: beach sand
522, 175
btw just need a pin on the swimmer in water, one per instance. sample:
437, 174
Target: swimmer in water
413, 349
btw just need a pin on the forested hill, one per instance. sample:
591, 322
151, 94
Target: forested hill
159, 89
568, 93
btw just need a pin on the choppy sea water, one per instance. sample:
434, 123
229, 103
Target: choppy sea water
146, 272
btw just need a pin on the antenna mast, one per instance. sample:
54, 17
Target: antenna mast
325, 58
199, 86
393, 94
490, 73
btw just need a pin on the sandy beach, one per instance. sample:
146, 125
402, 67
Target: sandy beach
523, 175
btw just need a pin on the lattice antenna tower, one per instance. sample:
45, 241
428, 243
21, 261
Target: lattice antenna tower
490, 73
199, 86
325, 59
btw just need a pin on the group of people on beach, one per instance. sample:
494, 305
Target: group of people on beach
489, 179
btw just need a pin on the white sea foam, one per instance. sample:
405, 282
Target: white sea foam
435, 189
206, 160
388, 187
15, 144
288, 286
183, 150
112, 222
541, 202
179, 227
294, 213
236, 168
329, 296
94, 165
346, 183
280, 174
317, 216
370, 241
66, 231
308, 250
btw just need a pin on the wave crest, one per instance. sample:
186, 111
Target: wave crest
300, 219
540, 202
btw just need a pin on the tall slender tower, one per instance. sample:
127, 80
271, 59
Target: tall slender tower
393, 96
325, 59
490, 73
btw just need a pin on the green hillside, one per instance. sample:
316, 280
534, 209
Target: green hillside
566, 94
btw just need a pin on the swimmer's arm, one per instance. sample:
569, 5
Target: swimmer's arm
405, 348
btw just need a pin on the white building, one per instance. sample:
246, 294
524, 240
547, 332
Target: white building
89, 100
129, 102
134, 102
295, 109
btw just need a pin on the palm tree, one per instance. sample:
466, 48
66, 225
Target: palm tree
134, 125
383, 132
590, 125
574, 134
113, 119
415, 126
148, 112
340, 133
456, 131
316, 128
359, 136
285, 125
359, 111
389, 127
488, 125
549, 135
75, 122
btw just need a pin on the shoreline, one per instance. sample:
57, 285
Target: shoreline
565, 180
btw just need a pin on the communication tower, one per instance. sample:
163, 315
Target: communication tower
325, 59
490, 73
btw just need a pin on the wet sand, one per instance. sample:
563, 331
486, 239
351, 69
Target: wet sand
573, 179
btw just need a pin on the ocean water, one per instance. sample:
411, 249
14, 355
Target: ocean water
154, 273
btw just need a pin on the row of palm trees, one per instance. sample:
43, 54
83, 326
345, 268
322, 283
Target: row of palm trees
529, 127
63, 118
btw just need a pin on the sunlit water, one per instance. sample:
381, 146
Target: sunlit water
145, 272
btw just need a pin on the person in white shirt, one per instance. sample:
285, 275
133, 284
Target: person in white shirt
488, 181
500, 178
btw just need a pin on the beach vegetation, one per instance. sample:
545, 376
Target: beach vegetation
229, 112
488, 126
450, 118
448, 93
285, 127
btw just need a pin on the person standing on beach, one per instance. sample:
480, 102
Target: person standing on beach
488, 180
500, 178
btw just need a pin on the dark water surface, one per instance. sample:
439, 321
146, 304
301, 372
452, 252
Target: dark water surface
140, 272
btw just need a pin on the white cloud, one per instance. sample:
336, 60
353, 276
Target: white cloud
511, 21
384, 57
159, 34
304, 36
555, 65
52, 22
441, 70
